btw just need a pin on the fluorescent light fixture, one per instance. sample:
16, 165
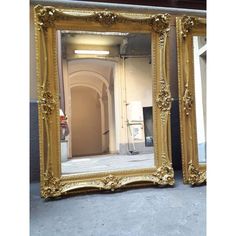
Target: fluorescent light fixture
91, 52
95, 33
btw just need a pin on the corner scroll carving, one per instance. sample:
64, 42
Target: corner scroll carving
165, 175
46, 16
160, 23
188, 22
47, 103
195, 175
187, 101
52, 186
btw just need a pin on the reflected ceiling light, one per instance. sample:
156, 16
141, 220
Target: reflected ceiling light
96, 33
91, 52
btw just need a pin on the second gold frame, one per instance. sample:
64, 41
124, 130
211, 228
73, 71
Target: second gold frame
194, 173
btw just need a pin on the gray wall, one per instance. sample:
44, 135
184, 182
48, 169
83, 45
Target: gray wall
34, 142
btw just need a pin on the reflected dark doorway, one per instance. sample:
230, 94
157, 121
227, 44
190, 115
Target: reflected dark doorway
148, 126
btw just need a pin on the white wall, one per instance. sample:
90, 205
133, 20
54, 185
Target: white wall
138, 75
135, 85
200, 85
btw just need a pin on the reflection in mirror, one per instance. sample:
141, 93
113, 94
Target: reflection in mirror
106, 101
199, 48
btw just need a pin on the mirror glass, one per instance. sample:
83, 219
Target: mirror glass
200, 50
105, 101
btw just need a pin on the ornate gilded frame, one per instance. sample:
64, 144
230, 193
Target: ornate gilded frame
49, 19
194, 173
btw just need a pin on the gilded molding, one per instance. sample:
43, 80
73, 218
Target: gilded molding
195, 175
187, 101
188, 22
164, 175
52, 186
46, 16
161, 25
164, 159
47, 103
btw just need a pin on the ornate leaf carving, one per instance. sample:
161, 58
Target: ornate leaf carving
164, 99
195, 175
51, 186
47, 103
165, 174
111, 182
187, 101
188, 22
160, 23
106, 18
46, 15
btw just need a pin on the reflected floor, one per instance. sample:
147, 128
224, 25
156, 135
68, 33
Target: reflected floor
107, 162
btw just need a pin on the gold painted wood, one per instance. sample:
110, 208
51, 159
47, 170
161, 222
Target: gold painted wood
187, 27
47, 21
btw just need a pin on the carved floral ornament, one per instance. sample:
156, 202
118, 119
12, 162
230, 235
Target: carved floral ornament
165, 175
106, 18
52, 186
187, 101
195, 175
111, 182
47, 103
188, 22
160, 23
46, 16
164, 99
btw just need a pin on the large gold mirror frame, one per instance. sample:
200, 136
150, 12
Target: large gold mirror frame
189, 30
48, 20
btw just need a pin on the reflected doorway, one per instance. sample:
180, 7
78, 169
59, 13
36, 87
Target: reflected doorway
86, 128
90, 108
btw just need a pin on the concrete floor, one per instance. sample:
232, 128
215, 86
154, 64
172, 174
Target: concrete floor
151, 211
107, 162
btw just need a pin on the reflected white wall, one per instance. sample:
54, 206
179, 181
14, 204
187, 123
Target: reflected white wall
200, 86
